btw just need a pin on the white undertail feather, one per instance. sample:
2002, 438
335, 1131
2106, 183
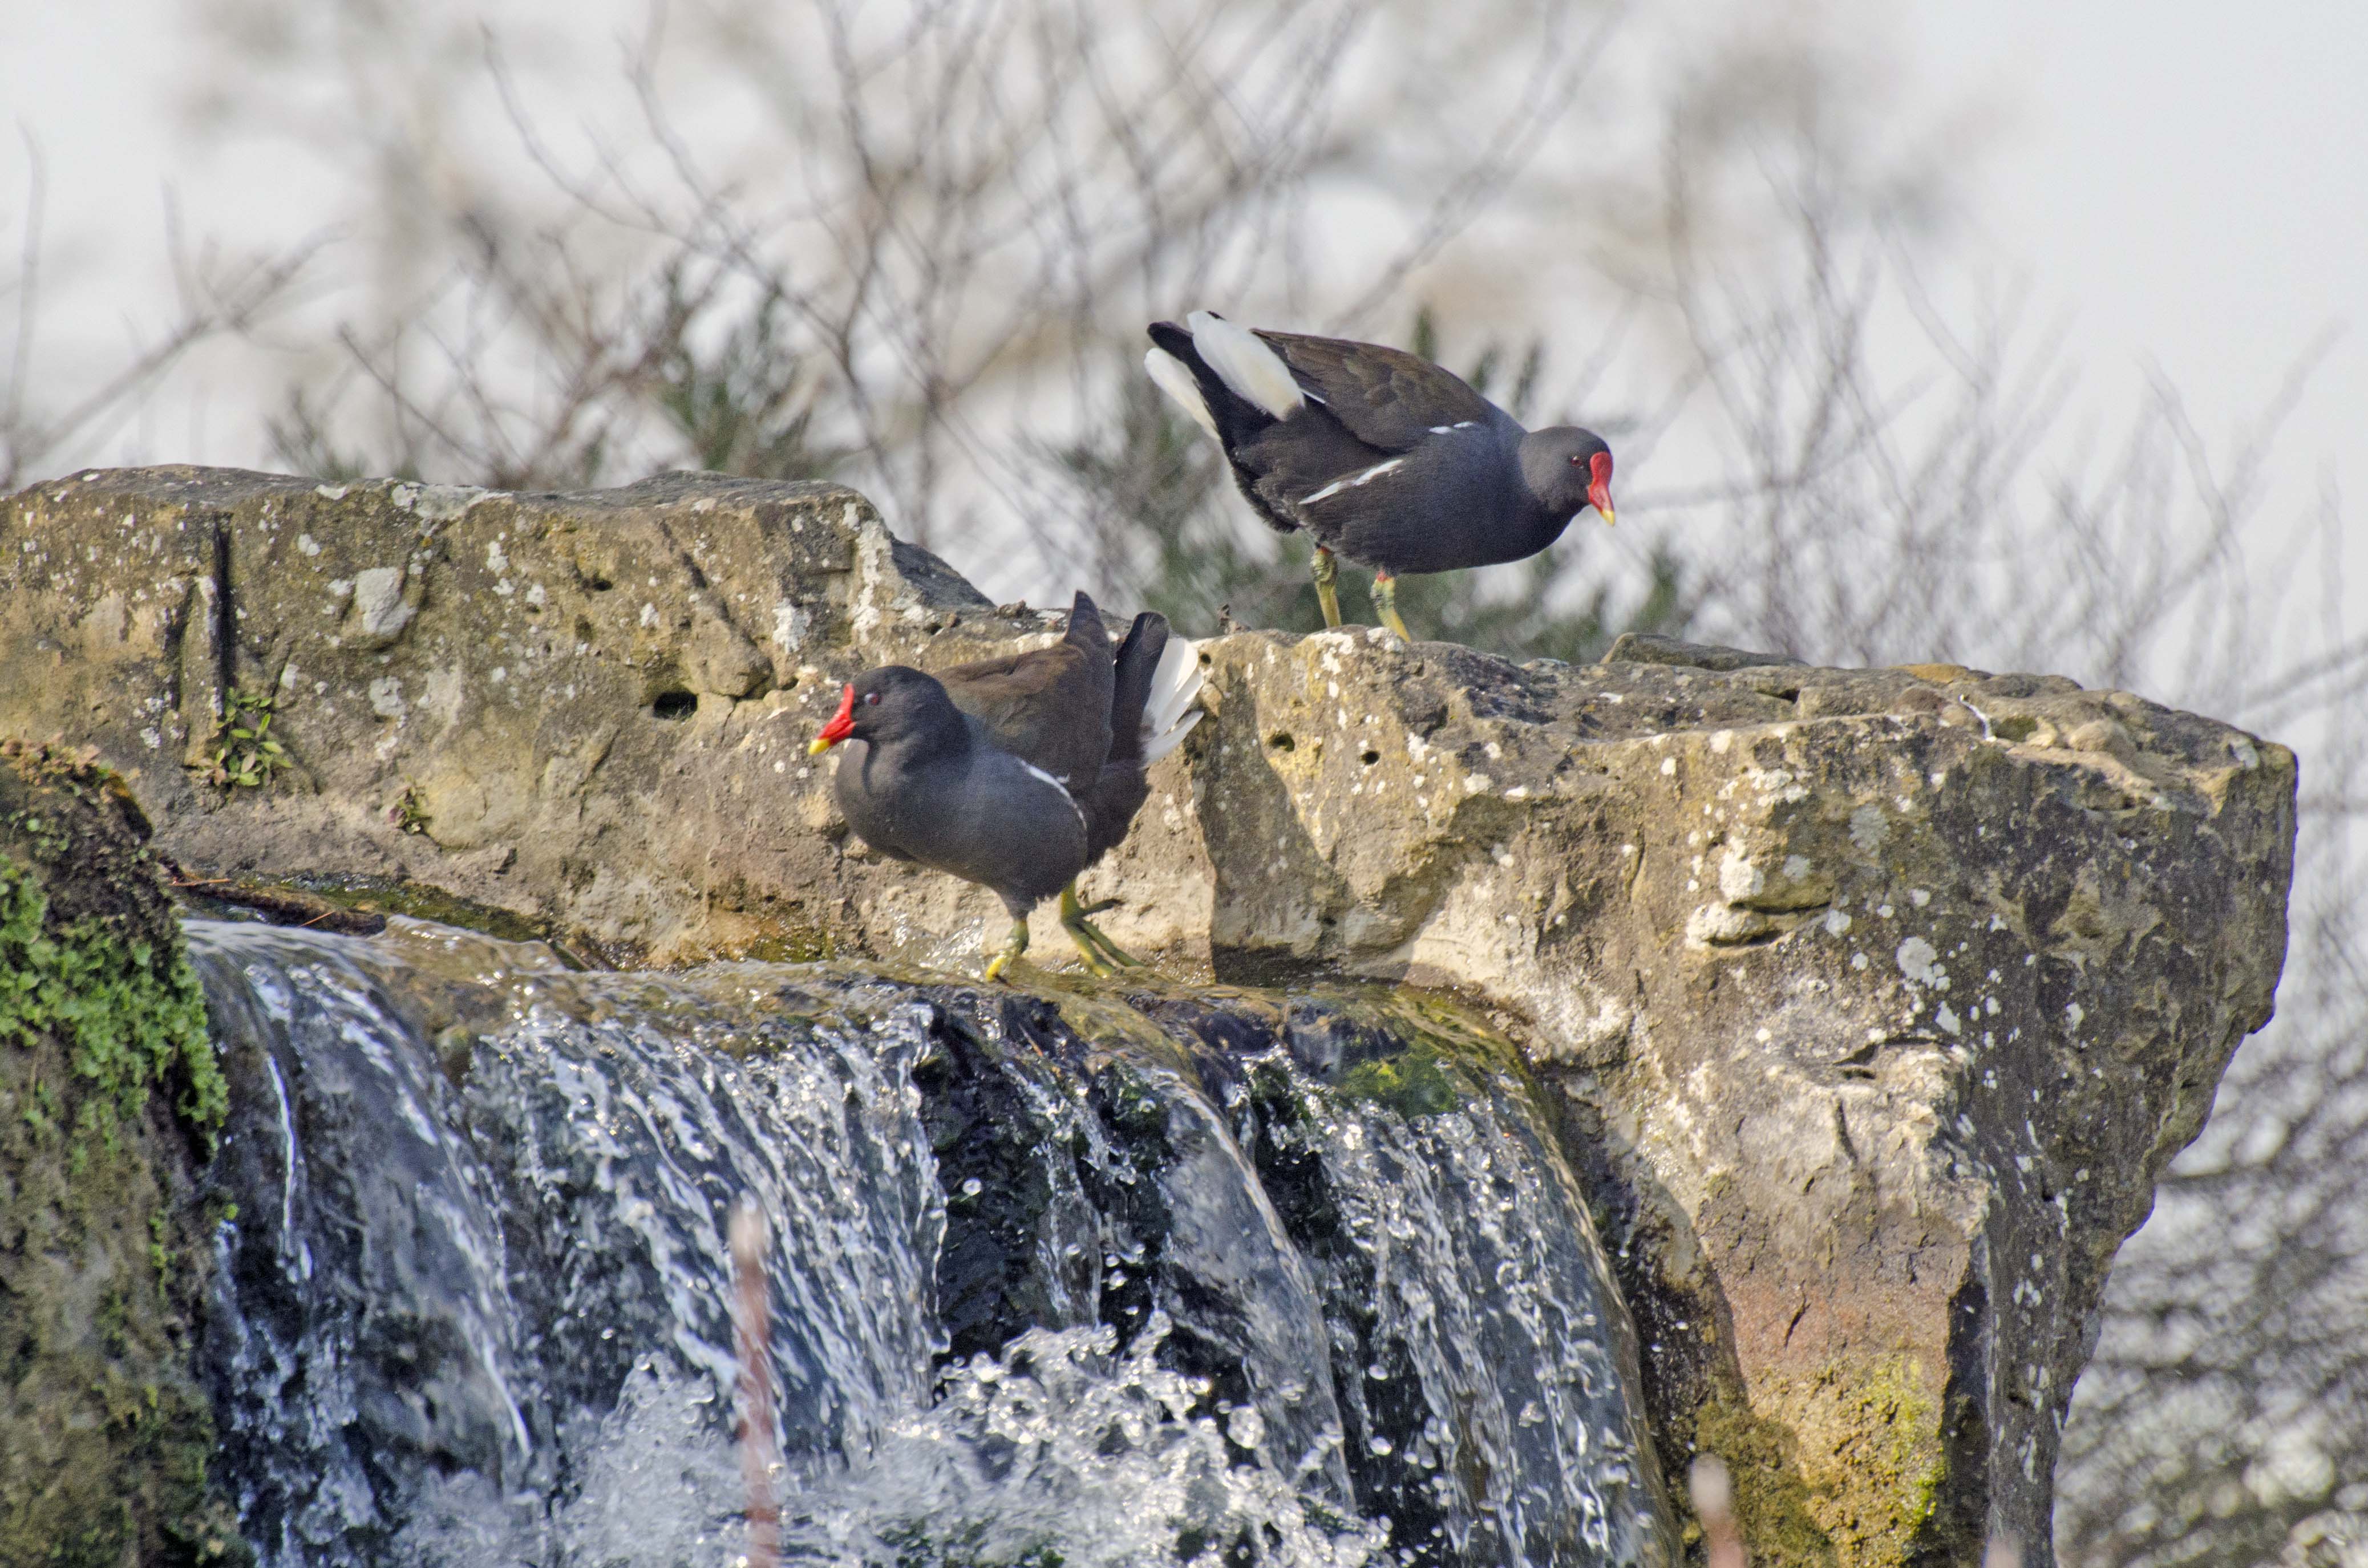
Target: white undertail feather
1245, 363
1177, 382
1173, 686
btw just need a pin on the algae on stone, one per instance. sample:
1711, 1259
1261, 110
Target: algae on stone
108, 1091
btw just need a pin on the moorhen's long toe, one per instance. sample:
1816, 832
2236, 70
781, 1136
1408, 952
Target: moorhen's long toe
1385, 457
1017, 773
1091, 944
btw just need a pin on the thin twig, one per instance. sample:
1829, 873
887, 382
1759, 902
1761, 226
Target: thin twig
760, 1456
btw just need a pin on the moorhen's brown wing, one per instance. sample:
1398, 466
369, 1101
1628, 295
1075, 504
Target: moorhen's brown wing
1386, 397
1050, 707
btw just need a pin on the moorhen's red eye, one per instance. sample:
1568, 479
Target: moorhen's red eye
1574, 459
871, 697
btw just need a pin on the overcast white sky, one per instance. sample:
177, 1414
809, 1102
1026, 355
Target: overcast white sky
2186, 184
2191, 180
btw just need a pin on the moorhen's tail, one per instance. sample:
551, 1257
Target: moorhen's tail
1169, 714
1223, 376
1158, 678
1085, 628
1138, 662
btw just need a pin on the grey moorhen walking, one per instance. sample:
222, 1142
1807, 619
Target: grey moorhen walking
1017, 773
1386, 458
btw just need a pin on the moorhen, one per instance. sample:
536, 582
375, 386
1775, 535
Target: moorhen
1385, 457
1017, 773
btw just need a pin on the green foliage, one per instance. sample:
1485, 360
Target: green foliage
409, 812
128, 1015
304, 442
674, 358
245, 754
744, 406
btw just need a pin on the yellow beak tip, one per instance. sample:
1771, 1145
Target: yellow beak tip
1606, 515
817, 746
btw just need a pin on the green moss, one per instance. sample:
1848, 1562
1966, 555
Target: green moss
1415, 1083
106, 1072
423, 900
1883, 1431
792, 944
960, 1545
1771, 1500
1842, 1466
1450, 1050
128, 1015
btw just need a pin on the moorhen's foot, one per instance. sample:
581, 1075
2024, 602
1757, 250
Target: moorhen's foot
1385, 600
1099, 952
1013, 946
1326, 570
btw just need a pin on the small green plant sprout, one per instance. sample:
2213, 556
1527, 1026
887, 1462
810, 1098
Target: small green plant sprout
245, 754
409, 812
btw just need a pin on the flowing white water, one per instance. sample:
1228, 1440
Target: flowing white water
1034, 1301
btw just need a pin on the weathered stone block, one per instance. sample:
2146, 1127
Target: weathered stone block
1877, 998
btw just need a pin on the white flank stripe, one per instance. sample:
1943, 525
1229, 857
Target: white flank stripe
1176, 381
1353, 481
1459, 425
1245, 363
1065, 794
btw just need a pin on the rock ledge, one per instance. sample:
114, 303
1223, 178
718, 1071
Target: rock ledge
1876, 998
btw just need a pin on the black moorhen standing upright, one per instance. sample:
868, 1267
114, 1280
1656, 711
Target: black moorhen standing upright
1384, 457
1017, 773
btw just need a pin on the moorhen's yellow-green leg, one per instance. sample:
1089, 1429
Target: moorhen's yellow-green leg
1385, 600
1091, 944
1326, 570
1013, 946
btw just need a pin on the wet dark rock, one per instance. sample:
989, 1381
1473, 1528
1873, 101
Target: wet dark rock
479, 1255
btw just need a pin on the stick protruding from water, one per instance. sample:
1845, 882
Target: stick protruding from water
759, 1437
1713, 1494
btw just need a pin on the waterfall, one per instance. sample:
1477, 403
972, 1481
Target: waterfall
1228, 1278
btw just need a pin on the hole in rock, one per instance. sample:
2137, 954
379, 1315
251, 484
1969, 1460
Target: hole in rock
1369, 756
672, 704
1281, 741
599, 584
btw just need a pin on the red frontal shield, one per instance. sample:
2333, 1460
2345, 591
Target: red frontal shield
841, 725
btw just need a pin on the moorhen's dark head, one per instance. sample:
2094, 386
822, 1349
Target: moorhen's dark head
1568, 468
889, 703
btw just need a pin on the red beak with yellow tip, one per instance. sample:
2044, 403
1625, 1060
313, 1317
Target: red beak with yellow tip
841, 725
1598, 492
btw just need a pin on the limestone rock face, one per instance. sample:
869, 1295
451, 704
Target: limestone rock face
1876, 998
590, 710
